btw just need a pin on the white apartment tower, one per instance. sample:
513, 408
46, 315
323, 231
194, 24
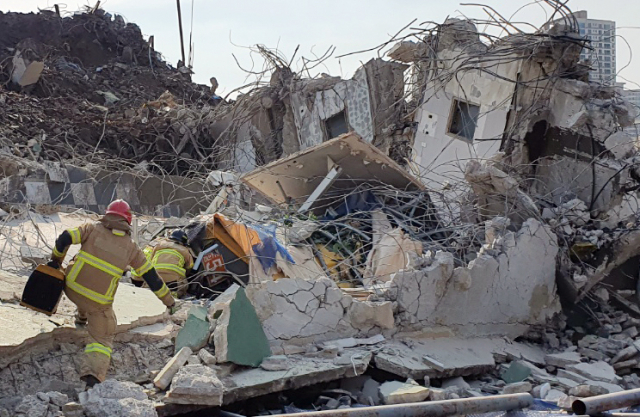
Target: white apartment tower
602, 34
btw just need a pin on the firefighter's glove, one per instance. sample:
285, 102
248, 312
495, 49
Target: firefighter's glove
54, 263
173, 309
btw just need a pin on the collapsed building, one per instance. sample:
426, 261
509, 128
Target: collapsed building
467, 208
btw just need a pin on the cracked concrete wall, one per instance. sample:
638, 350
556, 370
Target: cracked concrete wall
502, 292
57, 369
297, 312
311, 111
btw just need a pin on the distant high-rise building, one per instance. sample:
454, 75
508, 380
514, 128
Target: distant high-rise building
602, 55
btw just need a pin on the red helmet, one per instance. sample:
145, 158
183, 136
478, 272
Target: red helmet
120, 208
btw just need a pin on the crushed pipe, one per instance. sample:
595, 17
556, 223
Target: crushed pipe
600, 403
431, 408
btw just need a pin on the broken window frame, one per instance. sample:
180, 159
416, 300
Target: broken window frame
326, 123
455, 102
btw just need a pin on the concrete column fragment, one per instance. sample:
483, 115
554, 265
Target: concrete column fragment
165, 376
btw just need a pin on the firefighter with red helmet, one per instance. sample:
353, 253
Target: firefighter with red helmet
92, 277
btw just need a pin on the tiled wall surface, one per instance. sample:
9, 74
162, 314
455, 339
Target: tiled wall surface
76, 187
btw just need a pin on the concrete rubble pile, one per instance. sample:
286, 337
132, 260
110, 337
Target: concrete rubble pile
354, 246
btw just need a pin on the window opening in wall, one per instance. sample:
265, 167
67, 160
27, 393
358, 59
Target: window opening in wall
336, 125
463, 119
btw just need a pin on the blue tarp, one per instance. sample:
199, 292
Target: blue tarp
268, 247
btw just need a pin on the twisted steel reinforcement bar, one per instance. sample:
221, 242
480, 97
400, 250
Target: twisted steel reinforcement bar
431, 408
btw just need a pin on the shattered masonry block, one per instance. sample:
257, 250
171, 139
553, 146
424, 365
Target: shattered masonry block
517, 388
195, 332
195, 384
239, 336
206, 357
562, 360
163, 379
396, 392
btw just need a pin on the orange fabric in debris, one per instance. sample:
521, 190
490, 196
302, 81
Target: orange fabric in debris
237, 237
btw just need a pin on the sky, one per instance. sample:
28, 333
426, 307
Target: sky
223, 32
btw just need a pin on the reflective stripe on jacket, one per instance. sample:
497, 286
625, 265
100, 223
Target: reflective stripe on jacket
147, 253
104, 254
171, 260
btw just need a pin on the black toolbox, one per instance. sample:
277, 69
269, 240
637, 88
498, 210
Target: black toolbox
43, 290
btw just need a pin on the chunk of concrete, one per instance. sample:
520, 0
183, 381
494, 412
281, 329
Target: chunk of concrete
517, 388
597, 371
31, 405
554, 395
116, 398
456, 356
396, 392
239, 336
195, 332
611, 388
437, 394
206, 357
123, 407
253, 382
541, 391
114, 390
195, 384
163, 379
587, 391
562, 360
572, 376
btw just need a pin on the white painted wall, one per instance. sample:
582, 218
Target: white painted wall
442, 156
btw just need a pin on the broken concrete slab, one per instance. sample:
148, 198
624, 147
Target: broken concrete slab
597, 371
562, 360
195, 332
571, 376
303, 371
395, 392
605, 385
517, 388
163, 379
457, 357
197, 385
239, 336
116, 398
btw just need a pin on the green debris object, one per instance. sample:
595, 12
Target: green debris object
195, 332
516, 372
246, 342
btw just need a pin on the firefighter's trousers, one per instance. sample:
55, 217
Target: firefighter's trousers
101, 326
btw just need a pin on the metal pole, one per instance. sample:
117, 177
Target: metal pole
475, 405
600, 403
181, 37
